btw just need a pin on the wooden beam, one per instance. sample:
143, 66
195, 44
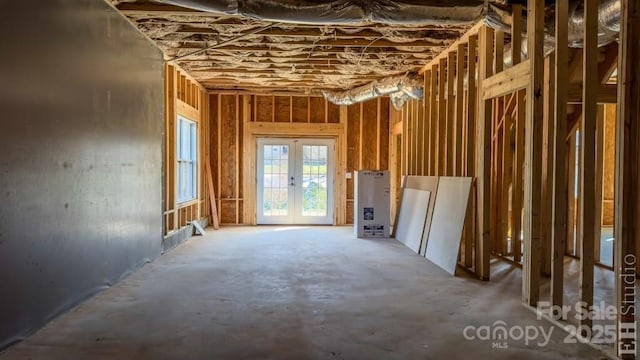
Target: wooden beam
516, 34
506, 82
627, 187
559, 195
442, 118
507, 164
483, 158
533, 154
470, 148
607, 94
598, 180
588, 156
434, 120
518, 176
428, 123
451, 120
459, 119
546, 218
609, 64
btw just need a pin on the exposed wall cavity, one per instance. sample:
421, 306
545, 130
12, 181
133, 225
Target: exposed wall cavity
81, 145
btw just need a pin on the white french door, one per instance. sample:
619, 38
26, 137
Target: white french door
295, 181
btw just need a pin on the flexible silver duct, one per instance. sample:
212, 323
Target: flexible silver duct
609, 13
414, 12
335, 12
399, 88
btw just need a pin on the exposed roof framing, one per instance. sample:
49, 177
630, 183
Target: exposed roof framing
299, 57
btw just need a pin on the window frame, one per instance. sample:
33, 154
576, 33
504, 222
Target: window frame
186, 156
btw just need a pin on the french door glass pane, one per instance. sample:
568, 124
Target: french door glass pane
275, 183
314, 180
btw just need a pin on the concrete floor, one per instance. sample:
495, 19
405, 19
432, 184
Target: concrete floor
293, 293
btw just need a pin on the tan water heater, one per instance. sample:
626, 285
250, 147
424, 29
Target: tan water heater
371, 206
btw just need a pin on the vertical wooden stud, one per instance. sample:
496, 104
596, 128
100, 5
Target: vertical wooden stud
588, 154
559, 197
451, 120
459, 119
442, 118
483, 168
434, 121
627, 187
533, 144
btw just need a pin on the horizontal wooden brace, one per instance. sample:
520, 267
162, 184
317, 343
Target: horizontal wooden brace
607, 94
506, 82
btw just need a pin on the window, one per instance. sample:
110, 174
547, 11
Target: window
187, 160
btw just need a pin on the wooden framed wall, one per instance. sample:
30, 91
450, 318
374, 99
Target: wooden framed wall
540, 193
435, 136
185, 97
238, 118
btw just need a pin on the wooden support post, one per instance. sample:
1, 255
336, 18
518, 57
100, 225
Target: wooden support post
518, 176
451, 120
533, 154
572, 154
219, 144
559, 196
421, 135
627, 198
588, 154
507, 163
470, 147
483, 157
442, 119
378, 133
236, 190
547, 163
170, 152
459, 119
597, 225
518, 123
426, 118
498, 236
471, 106
434, 120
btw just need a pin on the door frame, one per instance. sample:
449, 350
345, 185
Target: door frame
253, 130
296, 194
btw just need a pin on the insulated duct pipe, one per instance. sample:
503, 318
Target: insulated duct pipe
609, 16
354, 12
609, 13
399, 88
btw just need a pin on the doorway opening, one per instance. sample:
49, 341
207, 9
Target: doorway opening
295, 181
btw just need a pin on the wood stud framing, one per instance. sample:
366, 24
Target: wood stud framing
513, 129
533, 153
185, 97
627, 197
588, 154
560, 164
360, 132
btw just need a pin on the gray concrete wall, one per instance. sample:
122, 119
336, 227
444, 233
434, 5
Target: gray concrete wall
81, 109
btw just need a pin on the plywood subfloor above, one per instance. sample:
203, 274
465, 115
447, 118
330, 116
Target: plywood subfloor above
294, 57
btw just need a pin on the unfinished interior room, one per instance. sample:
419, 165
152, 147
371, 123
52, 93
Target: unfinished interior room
311, 179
